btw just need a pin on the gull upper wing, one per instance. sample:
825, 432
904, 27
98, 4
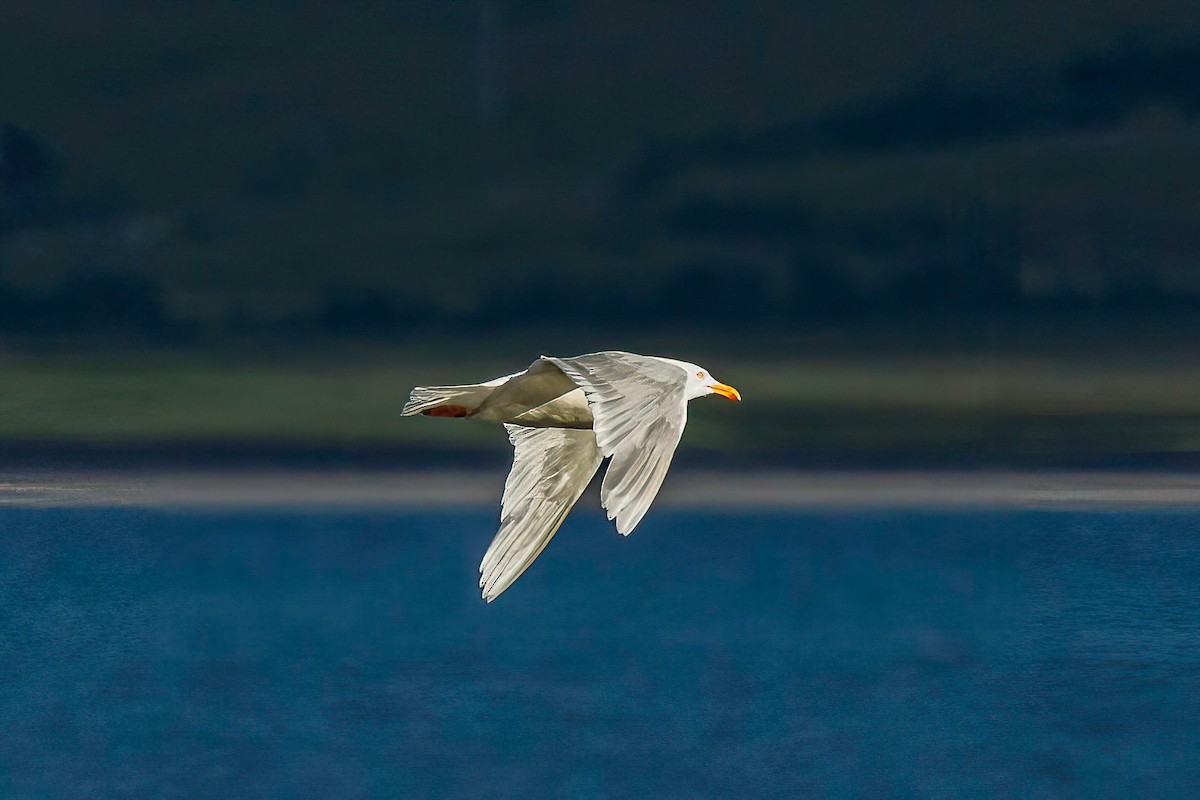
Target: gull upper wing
551, 468
639, 408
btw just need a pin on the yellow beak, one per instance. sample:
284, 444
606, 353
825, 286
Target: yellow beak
726, 391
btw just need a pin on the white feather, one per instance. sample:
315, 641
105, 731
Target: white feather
639, 407
551, 468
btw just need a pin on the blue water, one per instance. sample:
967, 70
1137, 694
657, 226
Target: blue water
743, 655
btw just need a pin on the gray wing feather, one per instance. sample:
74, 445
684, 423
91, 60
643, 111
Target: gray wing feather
640, 410
551, 468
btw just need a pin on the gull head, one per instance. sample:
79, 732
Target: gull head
700, 382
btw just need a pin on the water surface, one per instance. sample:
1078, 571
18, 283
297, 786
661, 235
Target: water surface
334, 654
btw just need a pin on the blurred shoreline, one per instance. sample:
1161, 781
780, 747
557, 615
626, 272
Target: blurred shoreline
708, 489
806, 407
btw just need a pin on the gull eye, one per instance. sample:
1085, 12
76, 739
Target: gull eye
700, 375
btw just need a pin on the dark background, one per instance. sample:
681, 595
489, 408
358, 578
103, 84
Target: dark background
474, 183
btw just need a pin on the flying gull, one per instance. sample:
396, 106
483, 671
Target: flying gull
564, 416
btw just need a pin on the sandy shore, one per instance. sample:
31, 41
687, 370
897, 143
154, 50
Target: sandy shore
684, 489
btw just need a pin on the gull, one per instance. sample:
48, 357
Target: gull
564, 416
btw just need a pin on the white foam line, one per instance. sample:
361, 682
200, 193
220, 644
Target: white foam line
684, 489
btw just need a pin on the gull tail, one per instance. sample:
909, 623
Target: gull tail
449, 401
425, 399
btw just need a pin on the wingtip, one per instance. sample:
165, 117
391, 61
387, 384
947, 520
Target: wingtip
626, 526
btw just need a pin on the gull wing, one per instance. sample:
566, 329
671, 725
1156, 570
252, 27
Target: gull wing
639, 408
551, 468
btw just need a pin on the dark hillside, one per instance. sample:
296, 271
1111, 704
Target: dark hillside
186, 173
